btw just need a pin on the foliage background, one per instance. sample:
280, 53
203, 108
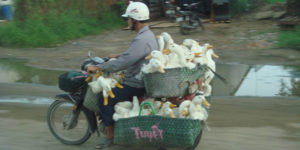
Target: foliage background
48, 22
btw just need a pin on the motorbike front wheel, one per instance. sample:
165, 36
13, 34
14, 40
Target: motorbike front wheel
68, 126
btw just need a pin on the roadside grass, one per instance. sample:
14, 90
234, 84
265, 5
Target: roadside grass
243, 6
274, 1
290, 39
54, 29
39, 27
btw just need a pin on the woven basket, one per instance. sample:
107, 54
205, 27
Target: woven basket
157, 131
91, 99
173, 83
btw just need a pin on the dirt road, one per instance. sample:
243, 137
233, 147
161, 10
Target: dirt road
235, 124
244, 41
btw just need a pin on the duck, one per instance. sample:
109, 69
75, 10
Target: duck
183, 110
196, 110
135, 107
199, 95
164, 107
173, 61
154, 65
166, 110
167, 39
203, 60
155, 54
206, 89
211, 64
181, 52
125, 104
106, 88
161, 42
157, 105
120, 112
193, 46
95, 86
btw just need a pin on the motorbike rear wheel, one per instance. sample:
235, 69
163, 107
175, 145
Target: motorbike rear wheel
68, 126
183, 28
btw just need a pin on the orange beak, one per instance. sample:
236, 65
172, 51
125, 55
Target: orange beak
98, 74
173, 106
148, 57
197, 54
88, 78
205, 103
215, 55
166, 51
210, 47
184, 113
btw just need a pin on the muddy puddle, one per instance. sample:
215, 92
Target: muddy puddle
14, 71
241, 80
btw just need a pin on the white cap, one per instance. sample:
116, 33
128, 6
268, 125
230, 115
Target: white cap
137, 10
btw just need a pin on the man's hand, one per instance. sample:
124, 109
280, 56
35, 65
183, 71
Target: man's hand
114, 55
93, 69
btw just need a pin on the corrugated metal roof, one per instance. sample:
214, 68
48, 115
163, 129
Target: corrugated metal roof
220, 2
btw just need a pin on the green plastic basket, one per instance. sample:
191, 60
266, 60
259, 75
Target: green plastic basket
156, 131
173, 83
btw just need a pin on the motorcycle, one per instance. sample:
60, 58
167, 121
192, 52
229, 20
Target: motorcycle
189, 19
170, 10
68, 120
72, 123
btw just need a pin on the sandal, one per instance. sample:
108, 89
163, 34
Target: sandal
104, 143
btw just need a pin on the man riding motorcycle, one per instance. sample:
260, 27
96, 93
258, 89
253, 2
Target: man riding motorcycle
131, 61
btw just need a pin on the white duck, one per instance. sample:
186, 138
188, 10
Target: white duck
125, 104
167, 39
211, 64
207, 89
135, 107
95, 86
194, 47
181, 52
157, 105
153, 66
184, 109
161, 42
155, 54
120, 112
106, 88
196, 109
166, 110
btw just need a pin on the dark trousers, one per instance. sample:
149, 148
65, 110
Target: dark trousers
124, 94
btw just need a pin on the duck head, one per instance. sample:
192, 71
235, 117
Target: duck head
157, 64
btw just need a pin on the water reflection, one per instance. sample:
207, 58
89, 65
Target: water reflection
244, 80
14, 70
33, 100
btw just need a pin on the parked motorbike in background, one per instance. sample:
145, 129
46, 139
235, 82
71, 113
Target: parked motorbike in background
189, 19
170, 10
